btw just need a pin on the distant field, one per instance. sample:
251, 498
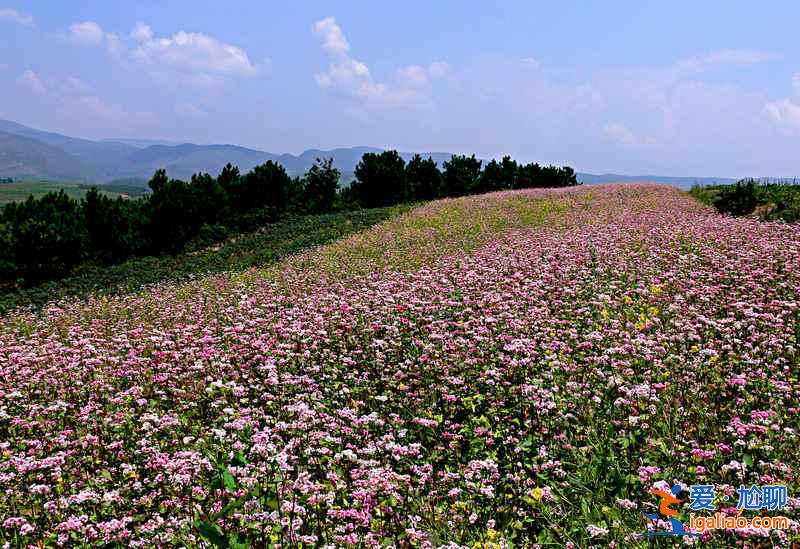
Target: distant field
17, 191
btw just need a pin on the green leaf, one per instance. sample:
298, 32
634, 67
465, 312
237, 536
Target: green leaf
239, 458
228, 481
231, 506
236, 541
272, 503
212, 533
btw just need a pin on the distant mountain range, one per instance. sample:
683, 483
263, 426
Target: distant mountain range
27, 153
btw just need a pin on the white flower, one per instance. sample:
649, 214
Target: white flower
596, 531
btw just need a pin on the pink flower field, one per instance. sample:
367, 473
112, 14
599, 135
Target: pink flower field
516, 369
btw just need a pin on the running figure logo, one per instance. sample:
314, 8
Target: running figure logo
668, 499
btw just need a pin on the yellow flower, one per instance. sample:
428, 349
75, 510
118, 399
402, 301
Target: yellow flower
604, 313
537, 493
655, 289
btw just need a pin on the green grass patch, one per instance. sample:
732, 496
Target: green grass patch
431, 232
21, 190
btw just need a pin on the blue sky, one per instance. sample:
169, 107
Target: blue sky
676, 88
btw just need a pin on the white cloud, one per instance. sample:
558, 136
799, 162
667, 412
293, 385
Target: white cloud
785, 112
10, 14
87, 33
352, 77
185, 58
725, 56
332, 35
90, 33
142, 32
32, 81
190, 53
417, 75
345, 72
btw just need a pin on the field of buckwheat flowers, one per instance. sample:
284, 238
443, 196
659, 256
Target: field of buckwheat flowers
508, 370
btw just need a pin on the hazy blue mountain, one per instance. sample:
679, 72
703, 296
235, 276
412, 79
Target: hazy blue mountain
137, 159
22, 157
139, 143
181, 161
102, 157
345, 159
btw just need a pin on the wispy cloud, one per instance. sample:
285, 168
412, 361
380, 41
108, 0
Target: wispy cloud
725, 56
417, 75
77, 99
31, 80
531, 62
621, 133
10, 14
190, 110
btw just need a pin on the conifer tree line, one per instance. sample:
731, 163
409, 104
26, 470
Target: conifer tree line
45, 238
